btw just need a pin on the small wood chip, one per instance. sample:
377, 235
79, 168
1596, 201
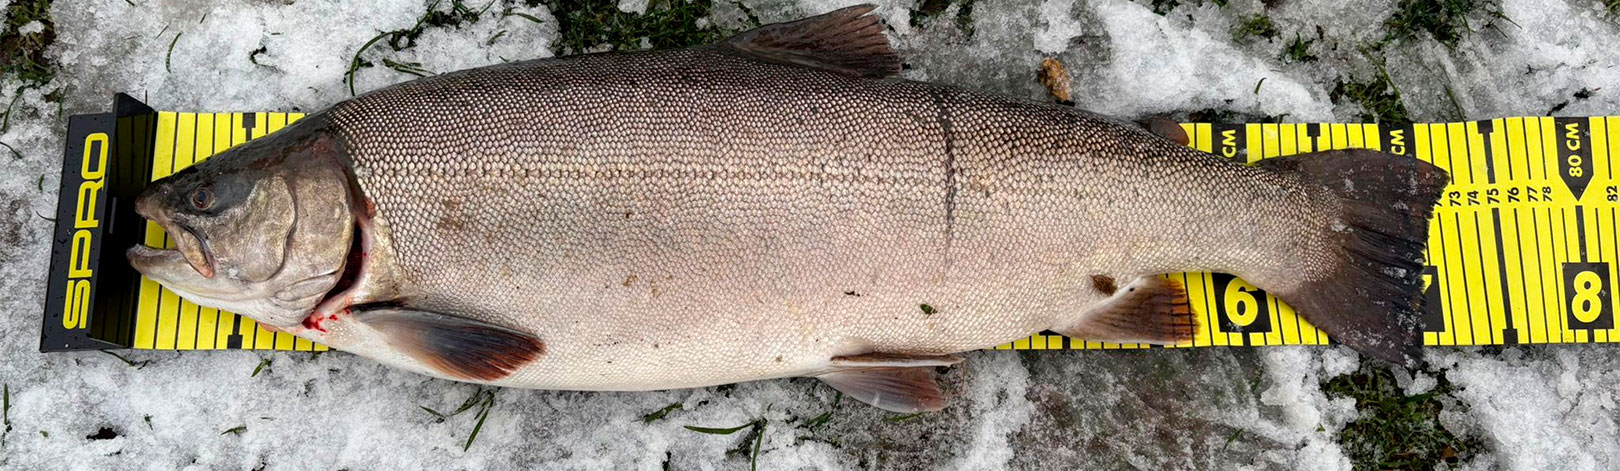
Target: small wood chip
1056, 80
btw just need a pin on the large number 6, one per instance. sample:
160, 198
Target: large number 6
1241, 306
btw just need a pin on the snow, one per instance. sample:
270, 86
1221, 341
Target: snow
1542, 408
1060, 27
633, 6
1534, 407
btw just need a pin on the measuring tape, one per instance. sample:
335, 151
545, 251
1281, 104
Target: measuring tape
1522, 247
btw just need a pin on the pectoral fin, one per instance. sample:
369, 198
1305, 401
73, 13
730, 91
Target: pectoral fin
1151, 309
454, 347
892, 382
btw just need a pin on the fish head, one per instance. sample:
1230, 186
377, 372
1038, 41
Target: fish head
263, 229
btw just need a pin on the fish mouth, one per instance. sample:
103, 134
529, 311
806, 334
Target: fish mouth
189, 247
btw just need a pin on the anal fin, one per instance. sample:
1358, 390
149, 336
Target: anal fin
892, 382
454, 347
1151, 309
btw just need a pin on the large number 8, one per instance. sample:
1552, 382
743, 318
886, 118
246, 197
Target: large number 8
1586, 304
1241, 306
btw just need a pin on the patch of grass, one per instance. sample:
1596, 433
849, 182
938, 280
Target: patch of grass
237, 430
751, 441
929, 12
1255, 26
1444, 20
262, 364
1298, 50
465, 406
599, 25
1379, 99
23, 54
1396, 431
902, 418
483, 399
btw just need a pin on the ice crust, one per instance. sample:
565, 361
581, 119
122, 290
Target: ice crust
1535, 407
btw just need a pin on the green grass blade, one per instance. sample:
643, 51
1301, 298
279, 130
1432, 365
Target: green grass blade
170, 54
660, 413
759, 439
718, 431
483, 414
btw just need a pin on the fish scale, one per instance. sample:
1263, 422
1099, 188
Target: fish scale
776, 205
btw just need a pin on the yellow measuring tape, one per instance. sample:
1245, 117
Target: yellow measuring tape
1523, 247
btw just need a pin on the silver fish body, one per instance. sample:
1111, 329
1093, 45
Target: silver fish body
692, 217
705, 216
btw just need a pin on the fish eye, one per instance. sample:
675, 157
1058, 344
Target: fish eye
202, 198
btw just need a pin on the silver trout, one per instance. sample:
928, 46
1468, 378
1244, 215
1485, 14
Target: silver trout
776, 205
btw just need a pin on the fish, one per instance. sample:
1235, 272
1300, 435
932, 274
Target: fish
779, 204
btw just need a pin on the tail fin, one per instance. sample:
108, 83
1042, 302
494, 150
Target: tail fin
1367, 291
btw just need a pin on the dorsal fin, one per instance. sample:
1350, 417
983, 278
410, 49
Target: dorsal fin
848, 41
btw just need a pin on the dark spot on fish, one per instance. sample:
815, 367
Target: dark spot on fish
1104, 284
451, 217
779, 359
627, 214
628, 280
927, 310
852, 293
